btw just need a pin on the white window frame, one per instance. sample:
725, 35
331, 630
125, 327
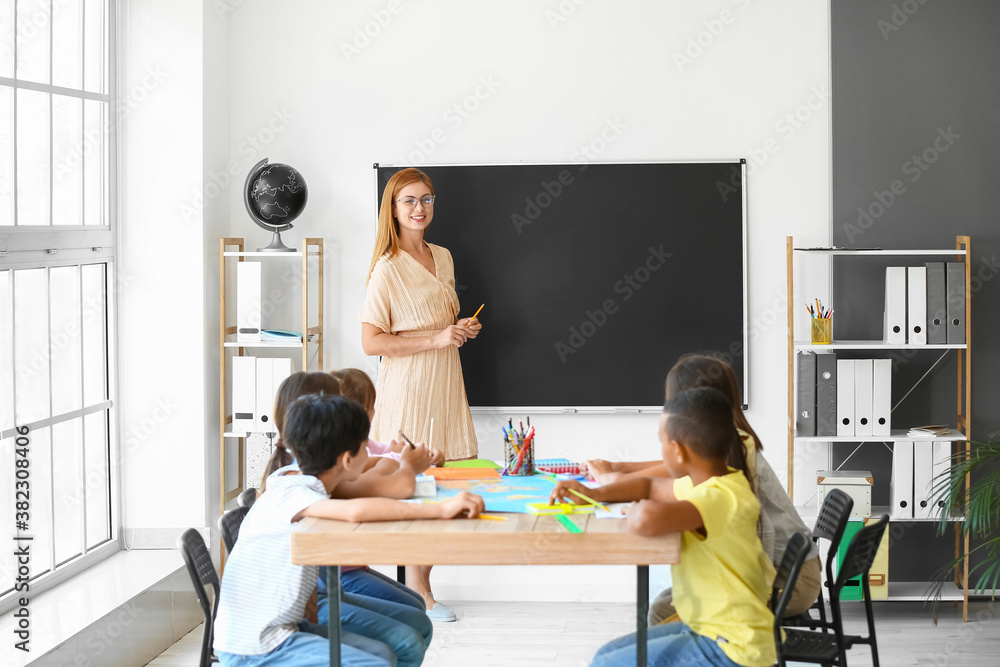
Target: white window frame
49, 246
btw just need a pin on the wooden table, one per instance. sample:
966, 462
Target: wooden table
523, 539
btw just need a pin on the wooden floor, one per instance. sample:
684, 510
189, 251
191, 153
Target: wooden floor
507, 634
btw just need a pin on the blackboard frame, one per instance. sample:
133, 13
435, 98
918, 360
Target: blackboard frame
739, 185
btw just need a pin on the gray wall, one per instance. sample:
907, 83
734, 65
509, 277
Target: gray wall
916, 109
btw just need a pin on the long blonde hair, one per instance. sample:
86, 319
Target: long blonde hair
387, 236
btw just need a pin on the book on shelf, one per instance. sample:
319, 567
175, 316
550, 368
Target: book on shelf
280, 336
934, 430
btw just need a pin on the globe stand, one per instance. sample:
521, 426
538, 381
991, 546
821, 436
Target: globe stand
276, 245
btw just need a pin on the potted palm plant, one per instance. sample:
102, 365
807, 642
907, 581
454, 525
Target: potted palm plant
980, 503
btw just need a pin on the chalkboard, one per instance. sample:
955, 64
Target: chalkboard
596, 277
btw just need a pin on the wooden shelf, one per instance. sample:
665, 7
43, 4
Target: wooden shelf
872, 345
808, 513
297, 254
895, 435
893, 252
963, 405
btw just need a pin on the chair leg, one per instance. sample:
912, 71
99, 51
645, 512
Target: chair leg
871, 621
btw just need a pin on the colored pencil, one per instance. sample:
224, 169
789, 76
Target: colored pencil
492, 517
405, 439
568, 523
430, 441
589, 500
477, 312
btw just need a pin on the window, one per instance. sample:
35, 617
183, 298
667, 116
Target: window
57, 285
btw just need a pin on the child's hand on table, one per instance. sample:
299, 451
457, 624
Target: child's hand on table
465, 503
602, 471
437, 456
417, 457
561, 494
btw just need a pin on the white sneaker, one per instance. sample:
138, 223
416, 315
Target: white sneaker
441, 613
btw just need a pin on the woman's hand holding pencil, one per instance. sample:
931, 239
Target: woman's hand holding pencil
472, 324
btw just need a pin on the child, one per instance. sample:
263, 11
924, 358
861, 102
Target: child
722, 582
778, 518
355, 384
397, 481
260, 619
373, 605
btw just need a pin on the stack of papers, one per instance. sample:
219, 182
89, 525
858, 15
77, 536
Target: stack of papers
426, 487
934, 430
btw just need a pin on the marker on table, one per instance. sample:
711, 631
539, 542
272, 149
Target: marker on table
477, 313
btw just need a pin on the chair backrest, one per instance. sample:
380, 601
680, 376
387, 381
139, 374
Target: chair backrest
202, 570
788, 574
247, 498
229, 526
861, 552
833, 516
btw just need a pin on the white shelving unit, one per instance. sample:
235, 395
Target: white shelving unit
312, 249
960, 433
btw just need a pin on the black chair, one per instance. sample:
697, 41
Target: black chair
229, 526
831, 648
786, 577
203, 574
830, 525
247, 498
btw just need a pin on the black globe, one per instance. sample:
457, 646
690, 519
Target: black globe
275, 194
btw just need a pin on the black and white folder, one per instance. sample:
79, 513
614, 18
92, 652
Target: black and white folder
916, 305
881, 396
956, 303
901, 486
863, 397
937, 304
826, 394
845, 397
895, 305
805, 413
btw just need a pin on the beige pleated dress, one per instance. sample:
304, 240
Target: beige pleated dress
405, 299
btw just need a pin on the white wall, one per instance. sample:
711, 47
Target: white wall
175, 92
378, 81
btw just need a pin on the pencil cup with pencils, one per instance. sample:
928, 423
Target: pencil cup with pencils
822, 323
822, 330
519, 450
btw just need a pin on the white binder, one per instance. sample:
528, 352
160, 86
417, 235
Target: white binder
845, 397
923, 471
248, 319
281, 368
244, 393
863, 372
916, 304
263, 417
881, 396
895, 304
940, 463
901, 487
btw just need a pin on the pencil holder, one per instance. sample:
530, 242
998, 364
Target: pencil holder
519, 457
822, 330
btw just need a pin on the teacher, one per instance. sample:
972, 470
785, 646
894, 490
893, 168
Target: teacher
410, 319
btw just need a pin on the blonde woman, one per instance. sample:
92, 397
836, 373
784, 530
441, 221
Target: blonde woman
410, 319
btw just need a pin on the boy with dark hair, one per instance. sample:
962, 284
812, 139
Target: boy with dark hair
263, 595
724, 577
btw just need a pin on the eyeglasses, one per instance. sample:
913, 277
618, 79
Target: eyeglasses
411, 202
